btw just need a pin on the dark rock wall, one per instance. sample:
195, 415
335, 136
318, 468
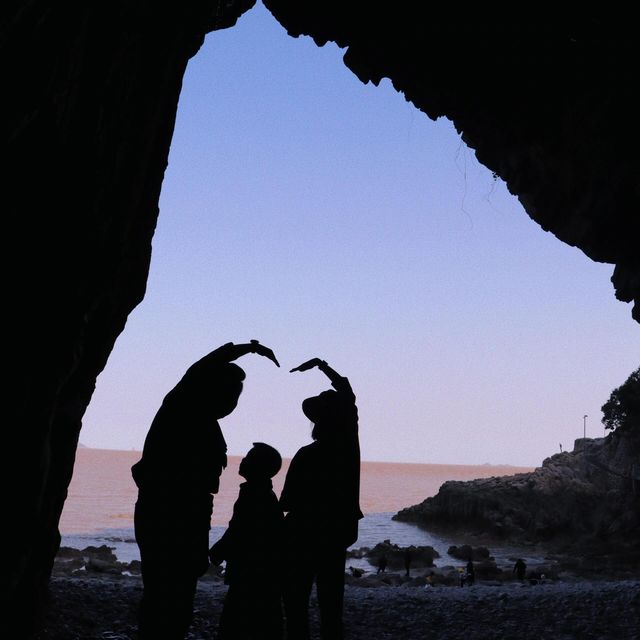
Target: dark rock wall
89, 103
89, 100
546, 101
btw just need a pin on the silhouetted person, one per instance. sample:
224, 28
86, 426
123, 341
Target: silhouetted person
520, 568
470, 577
252, 546
382, 563
408, 557
183, 456
321, 498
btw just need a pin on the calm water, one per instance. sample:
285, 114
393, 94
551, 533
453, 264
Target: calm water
102, 494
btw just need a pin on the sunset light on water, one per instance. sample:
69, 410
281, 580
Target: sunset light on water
102, 493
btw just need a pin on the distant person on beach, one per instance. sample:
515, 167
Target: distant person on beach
321, 500
470, 576
252, 548
408, 557
382, 564
184, 454
520, 568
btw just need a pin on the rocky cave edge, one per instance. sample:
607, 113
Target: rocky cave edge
546, 102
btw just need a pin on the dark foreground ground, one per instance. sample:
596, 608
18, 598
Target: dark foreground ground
104, 607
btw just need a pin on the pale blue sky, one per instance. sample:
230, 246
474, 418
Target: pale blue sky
326, 217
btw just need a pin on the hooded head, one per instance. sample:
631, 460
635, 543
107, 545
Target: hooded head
218, 387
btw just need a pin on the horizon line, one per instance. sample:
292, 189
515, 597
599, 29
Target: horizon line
440, 464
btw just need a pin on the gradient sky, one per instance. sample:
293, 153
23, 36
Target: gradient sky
329, 218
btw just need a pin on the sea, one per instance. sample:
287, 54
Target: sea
101, 498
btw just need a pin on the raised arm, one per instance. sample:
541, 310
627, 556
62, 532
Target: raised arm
230, 351
339, 383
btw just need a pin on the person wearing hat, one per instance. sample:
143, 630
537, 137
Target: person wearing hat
184, 454
321, 500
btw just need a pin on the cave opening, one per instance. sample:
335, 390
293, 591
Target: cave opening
366, 232
312, 211
91, 124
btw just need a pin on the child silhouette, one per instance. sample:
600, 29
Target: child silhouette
252, 548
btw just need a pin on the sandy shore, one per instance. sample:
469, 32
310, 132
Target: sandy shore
104, 607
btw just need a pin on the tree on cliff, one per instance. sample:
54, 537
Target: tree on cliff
622, 409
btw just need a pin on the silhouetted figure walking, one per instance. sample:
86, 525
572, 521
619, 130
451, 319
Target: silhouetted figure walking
520, 568
382, 563
183, 456
321, 498
252, 546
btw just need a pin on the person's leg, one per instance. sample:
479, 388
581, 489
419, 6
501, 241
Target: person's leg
298, 582
251, 613
153, 577
268, 620
167, 604
235, 611
149, 604
169, 589
330, 585
183, 595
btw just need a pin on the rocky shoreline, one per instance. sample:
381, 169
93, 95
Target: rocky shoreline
583, 502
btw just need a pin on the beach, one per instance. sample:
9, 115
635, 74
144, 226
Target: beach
105, 607
94, 594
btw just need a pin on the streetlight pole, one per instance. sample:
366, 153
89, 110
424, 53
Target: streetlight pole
584, 419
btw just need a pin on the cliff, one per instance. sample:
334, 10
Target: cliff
584, 497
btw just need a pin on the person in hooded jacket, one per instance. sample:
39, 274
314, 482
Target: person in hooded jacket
183, 456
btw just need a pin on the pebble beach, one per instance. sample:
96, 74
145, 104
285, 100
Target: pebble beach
105, 607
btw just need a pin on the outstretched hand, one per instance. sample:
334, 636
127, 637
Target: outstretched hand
309, 364
238, 350
261, 350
